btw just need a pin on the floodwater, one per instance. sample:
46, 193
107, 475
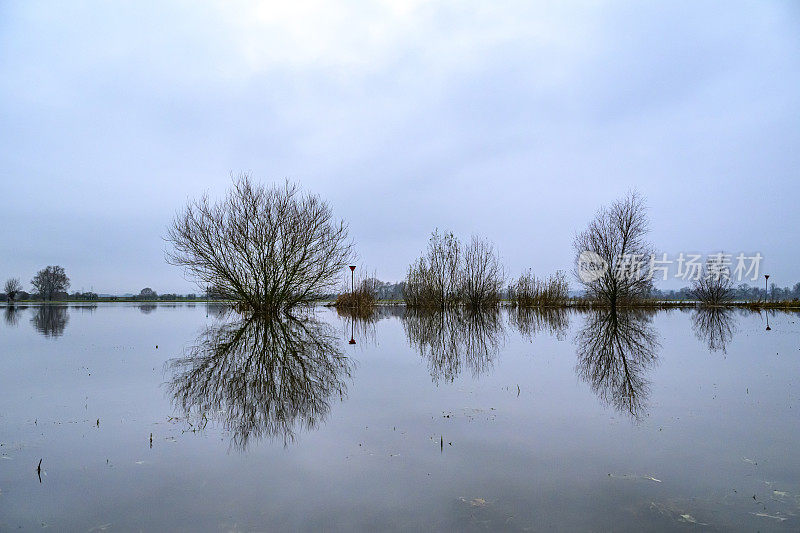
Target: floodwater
180, 417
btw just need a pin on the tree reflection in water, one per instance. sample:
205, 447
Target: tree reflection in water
12, 314
531, 321
455, 339
358, 325
262, 377
218, 309
714, 326
87, 308
50, 320
615, 350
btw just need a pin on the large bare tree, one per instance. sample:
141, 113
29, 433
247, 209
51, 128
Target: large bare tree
266, 248
612, 255
50, 281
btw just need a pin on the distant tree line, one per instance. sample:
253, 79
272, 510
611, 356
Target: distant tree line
148, 294
270, 249
51, 284
518, 293
741, 292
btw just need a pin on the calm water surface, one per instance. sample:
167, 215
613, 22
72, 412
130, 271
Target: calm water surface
500, 421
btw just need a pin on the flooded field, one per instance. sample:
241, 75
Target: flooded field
181, 417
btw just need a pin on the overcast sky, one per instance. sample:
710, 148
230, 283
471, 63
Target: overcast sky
512, 120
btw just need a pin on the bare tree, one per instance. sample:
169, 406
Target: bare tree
612, 254
482, 277
418, 288
444, 259
449, 274
433, 281
714, 285
12, 288
50, 281
266, 248
147, 294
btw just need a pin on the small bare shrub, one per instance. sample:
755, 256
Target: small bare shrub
449, 274
714, 286
482, 275
12, 288
362, 298
528, 291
